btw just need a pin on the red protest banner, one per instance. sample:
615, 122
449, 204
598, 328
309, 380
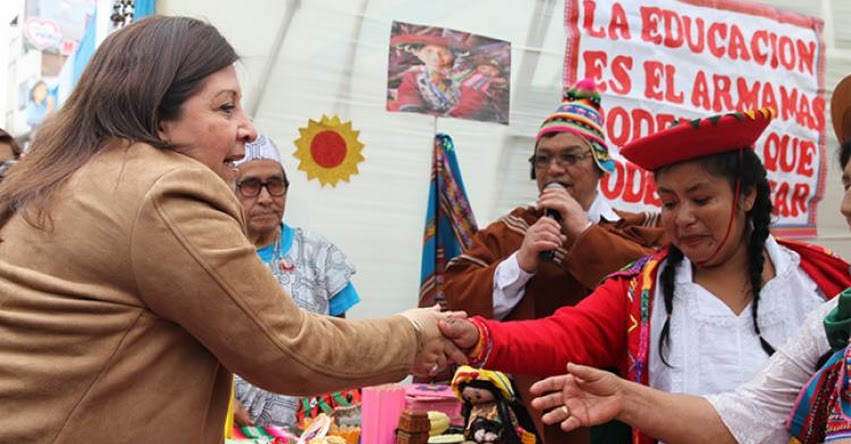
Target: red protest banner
693, 58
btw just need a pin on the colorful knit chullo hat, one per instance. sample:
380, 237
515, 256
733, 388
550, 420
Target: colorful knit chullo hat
579, 113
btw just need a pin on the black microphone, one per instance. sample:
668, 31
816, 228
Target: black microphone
554, 215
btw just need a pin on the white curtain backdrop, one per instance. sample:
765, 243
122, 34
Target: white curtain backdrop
332, 59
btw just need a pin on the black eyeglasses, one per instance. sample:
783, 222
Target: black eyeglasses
251, 187
564, 159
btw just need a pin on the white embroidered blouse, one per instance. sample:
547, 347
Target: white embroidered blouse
712, 349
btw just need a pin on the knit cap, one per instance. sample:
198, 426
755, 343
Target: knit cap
579, 113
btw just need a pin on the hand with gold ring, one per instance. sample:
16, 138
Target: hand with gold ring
582, 397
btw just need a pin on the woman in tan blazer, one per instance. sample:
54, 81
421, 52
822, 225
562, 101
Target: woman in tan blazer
128, 290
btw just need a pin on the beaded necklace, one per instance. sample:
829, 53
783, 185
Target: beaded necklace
278, 261
441, 96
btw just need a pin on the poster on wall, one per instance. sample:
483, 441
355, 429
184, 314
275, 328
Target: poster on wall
448, 73
684, 59
41, 101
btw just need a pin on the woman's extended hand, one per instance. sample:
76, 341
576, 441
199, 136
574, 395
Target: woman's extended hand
582, 397
434, 351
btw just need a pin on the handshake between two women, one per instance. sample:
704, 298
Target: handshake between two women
445, 337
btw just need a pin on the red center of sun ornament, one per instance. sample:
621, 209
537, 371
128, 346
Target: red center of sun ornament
328, 149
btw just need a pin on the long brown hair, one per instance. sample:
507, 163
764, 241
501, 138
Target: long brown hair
139, 77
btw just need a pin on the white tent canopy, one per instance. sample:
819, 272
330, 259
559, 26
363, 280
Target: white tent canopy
302, 60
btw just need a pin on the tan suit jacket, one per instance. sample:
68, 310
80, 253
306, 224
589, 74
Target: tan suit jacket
124, 322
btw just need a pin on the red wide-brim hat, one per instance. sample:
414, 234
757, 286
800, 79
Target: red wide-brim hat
689, 140
437, 40
840, 110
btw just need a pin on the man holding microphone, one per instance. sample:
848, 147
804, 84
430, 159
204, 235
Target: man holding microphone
550, 254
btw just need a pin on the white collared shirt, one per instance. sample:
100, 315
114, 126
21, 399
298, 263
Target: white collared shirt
509, 280
601, 210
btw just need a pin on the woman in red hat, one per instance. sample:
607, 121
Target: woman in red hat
804, 389
702, 315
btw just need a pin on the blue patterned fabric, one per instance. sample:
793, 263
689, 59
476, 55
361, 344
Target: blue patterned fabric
449, 224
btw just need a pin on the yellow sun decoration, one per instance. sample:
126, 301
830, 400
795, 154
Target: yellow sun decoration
328, 150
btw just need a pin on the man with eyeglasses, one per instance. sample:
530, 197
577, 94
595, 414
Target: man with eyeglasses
550, 254
312, 269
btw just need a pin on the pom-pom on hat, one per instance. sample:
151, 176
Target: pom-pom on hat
688, 140
261, 148
840, 109
579, 113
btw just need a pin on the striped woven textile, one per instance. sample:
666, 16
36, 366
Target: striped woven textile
266, 435
449, 224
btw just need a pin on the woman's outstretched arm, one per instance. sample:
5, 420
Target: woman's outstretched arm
586, 396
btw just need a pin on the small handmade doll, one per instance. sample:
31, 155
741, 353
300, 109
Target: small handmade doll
492, 413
